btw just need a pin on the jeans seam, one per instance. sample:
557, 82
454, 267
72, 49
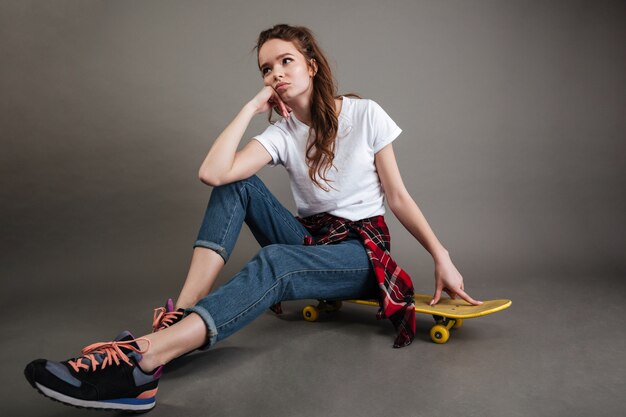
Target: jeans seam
279, 281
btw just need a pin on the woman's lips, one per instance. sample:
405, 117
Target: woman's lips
282, 86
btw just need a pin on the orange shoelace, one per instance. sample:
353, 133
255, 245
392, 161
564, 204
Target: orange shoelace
163, 319
112, 352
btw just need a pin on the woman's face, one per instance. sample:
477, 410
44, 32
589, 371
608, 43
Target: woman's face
280, 63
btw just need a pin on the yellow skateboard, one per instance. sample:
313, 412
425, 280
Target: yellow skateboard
448, 313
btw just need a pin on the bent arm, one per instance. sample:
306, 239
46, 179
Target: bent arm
221, 156
223, 164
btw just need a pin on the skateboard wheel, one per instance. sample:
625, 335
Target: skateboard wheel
457, 323
310, 313
439, 333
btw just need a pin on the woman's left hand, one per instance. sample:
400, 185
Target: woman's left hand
448, 279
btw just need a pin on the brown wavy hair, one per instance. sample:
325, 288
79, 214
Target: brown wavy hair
320, 153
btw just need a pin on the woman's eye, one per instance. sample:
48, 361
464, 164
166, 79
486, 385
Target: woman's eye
264, 70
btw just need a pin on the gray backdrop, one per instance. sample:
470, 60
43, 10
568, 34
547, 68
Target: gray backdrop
513, 147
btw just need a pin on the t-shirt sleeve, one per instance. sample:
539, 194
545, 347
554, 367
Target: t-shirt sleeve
384, 129
274, 140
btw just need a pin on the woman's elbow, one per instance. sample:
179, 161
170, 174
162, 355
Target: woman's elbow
208, 179
397, 199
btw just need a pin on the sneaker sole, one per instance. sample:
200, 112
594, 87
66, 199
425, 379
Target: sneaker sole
121, 404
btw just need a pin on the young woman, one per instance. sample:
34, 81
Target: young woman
338, 153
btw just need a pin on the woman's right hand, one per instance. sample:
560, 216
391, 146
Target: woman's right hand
268, 98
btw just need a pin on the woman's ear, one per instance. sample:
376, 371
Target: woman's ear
313, 70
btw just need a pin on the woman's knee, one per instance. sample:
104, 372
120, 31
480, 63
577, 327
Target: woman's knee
253, 180
271, 254
240, 189
276, 259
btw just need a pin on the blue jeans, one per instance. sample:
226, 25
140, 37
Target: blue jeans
283, 269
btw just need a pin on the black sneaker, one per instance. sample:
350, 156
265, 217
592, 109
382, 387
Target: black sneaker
106, 377
166, 316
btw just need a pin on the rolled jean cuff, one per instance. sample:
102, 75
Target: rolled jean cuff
221, 251
210, 325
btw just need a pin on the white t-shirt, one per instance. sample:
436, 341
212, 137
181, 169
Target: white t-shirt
364, 129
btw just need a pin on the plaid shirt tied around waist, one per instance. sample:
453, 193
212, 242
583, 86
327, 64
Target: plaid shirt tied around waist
396, 288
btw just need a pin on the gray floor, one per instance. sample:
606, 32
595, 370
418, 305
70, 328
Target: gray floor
558, 351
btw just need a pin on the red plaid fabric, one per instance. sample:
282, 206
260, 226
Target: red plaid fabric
396, 288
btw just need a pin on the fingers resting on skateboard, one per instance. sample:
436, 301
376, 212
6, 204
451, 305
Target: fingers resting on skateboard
453, 295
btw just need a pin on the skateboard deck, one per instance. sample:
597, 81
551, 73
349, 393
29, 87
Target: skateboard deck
448, 314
